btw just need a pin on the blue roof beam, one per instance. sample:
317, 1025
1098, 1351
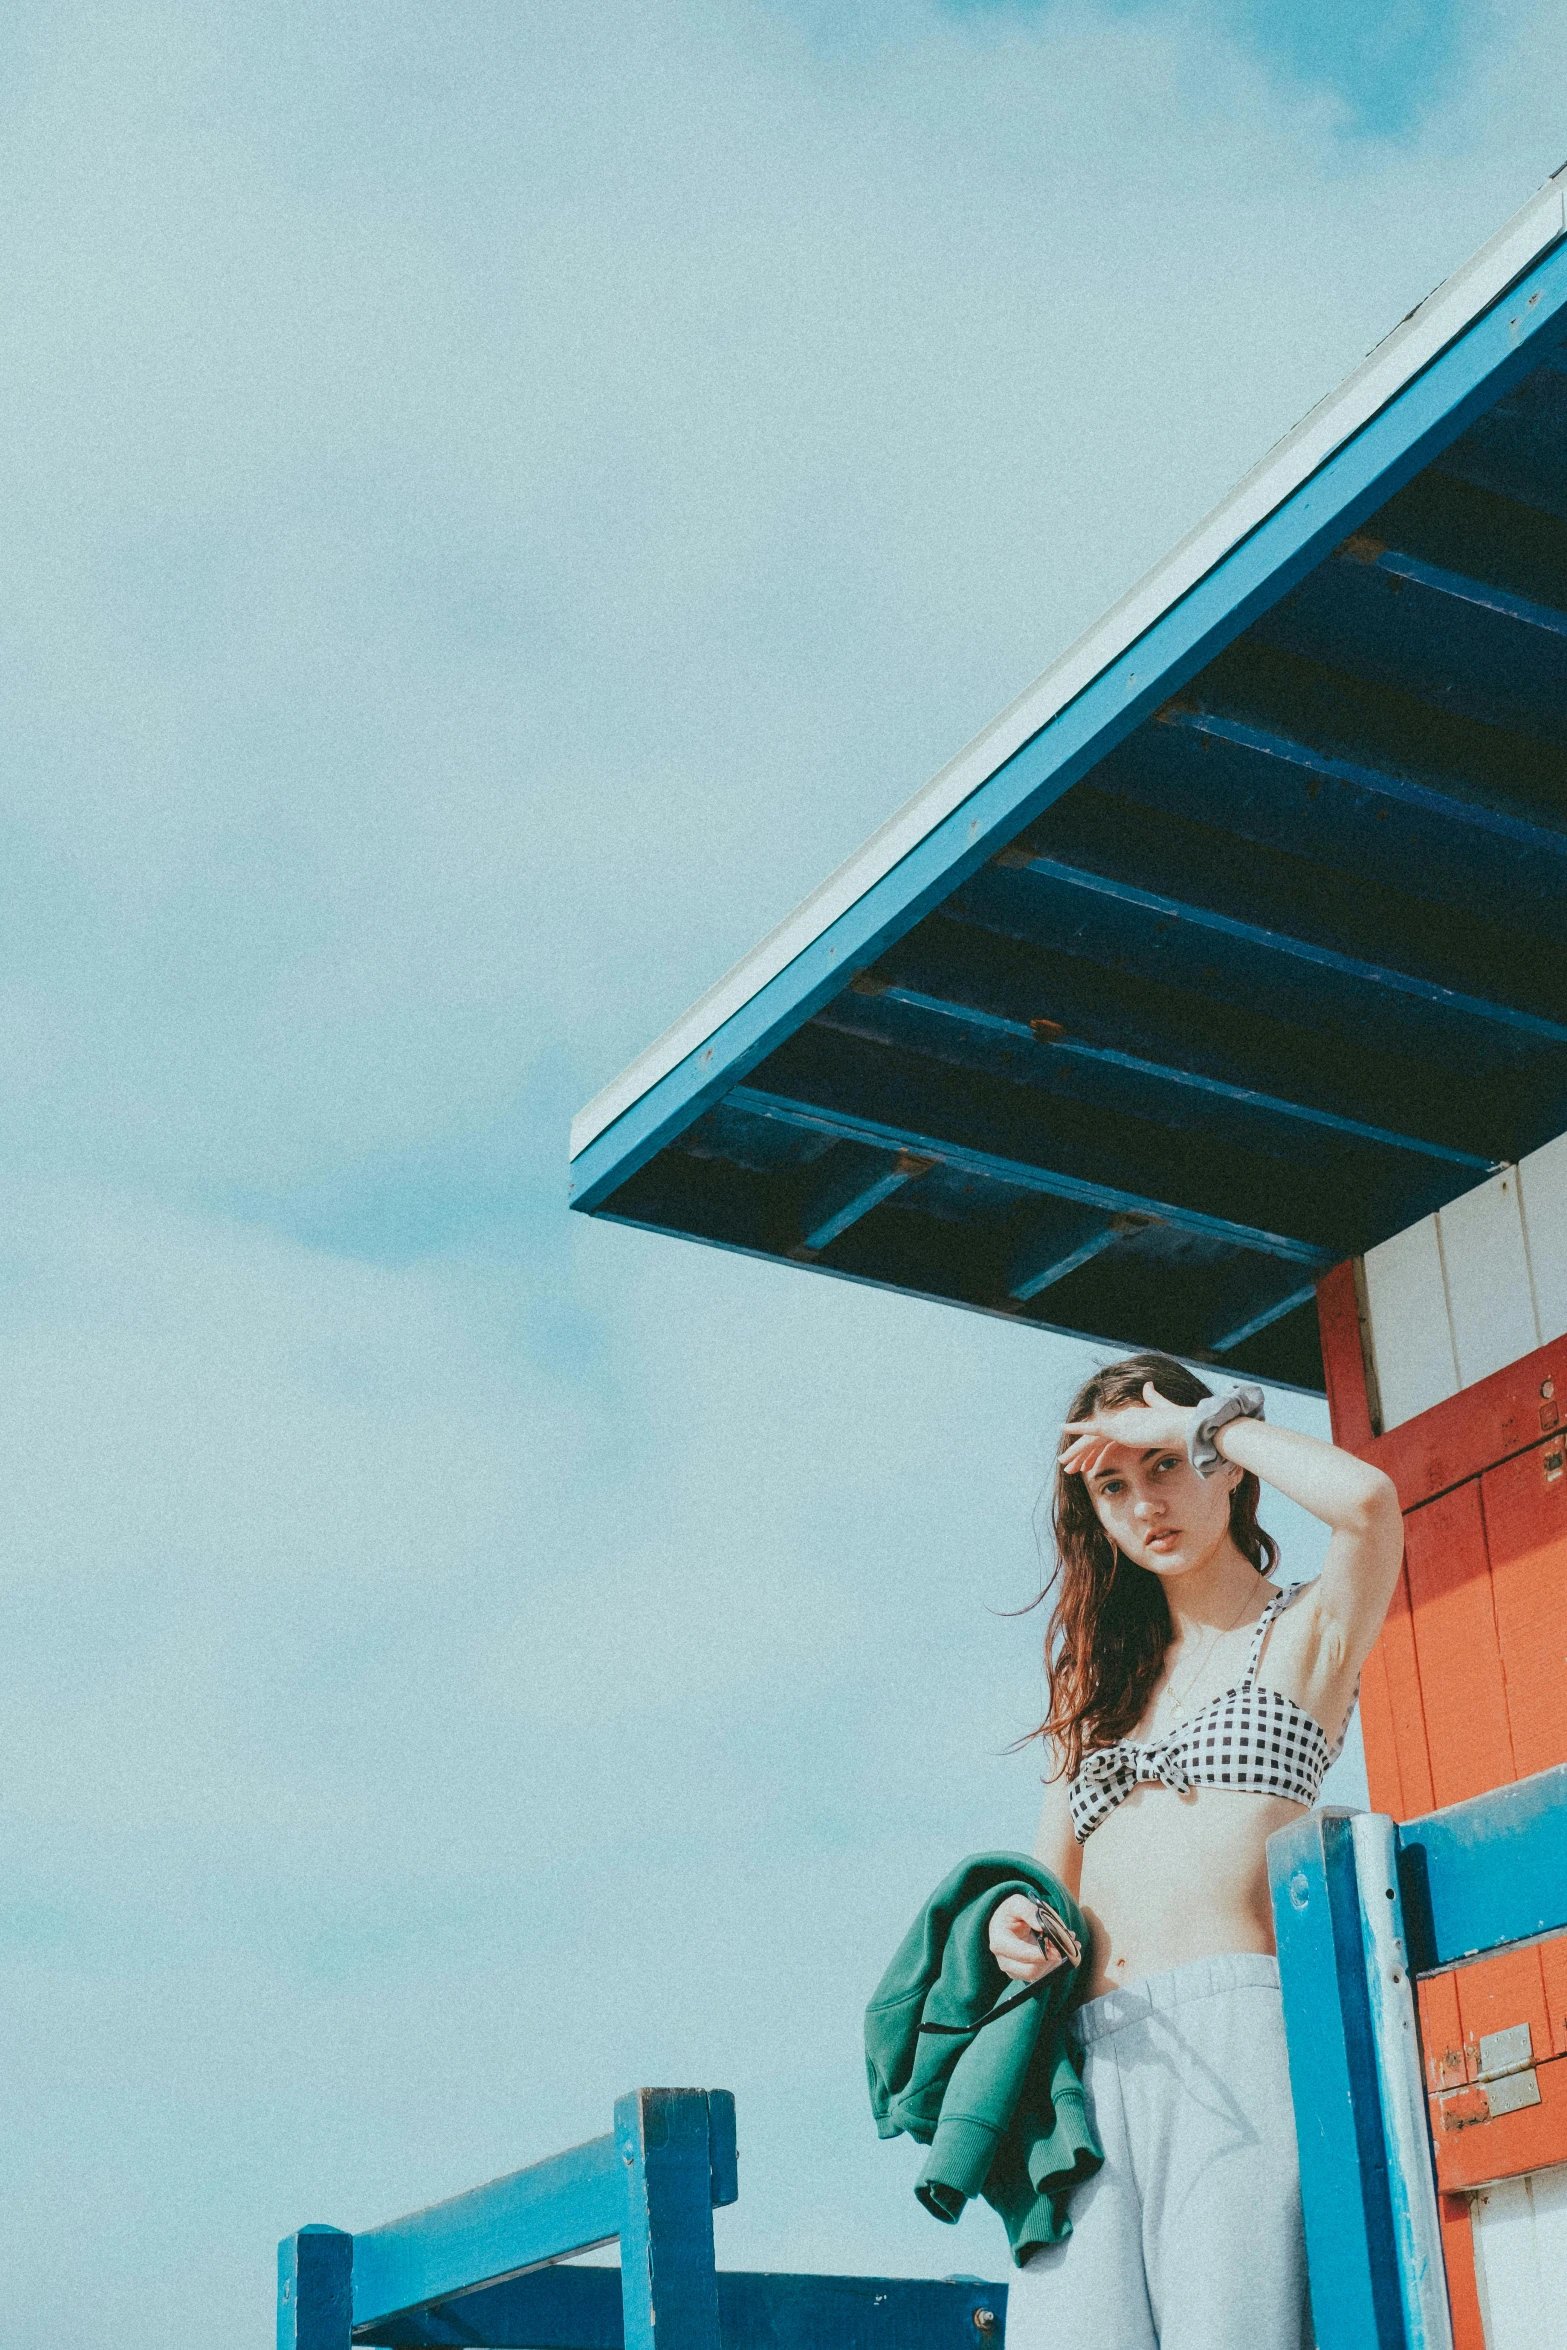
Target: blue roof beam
1519, 449
1025, 1175
1065, 998
1049, 1257
1131, 1164
1285, 795
1226, 1341
853, 1182
1243, 961
1446, 636
1216, 873
1037, 1050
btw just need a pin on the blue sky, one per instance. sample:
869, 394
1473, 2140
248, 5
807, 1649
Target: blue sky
497, 502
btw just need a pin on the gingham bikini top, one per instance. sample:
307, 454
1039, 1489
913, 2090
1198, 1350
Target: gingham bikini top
1249, 1737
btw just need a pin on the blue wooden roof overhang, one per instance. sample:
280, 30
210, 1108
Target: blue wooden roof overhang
1237, 945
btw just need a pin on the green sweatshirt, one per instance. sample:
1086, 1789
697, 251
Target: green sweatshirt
1000, 2107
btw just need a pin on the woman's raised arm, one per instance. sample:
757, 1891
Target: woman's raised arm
1356, 1501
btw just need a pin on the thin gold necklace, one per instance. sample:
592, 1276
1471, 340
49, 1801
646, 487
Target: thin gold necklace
1178, 1704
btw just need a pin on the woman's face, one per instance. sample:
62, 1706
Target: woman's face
1155, 1507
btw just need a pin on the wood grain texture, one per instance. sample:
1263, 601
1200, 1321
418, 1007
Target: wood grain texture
1496, 1993
1441, 2032
1553, 1970
1404, 1724
1472, 1432
1534, 2138
1542, 1186
1490, 1299
1465, 1703
1525, 1507
1411, 1336
1343, 1363
1458, 2251
1379, 1737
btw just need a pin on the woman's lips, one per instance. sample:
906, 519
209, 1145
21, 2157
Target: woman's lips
1163, 1541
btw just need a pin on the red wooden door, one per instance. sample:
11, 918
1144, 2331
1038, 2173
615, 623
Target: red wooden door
1467, 1690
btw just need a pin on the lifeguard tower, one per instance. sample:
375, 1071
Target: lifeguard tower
1216, 999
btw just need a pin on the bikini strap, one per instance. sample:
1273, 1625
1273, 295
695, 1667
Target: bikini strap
1275, 1607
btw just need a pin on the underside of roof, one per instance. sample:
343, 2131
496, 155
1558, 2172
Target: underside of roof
1250, 955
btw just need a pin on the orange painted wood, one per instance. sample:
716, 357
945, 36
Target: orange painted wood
1473, 1430
1463, 2292
1467, 1736
1525, 1504
1496, 1993
1553, 1973
1402, 1725
1343, 1362
1441, 2032
1383, 1776
1472, 2153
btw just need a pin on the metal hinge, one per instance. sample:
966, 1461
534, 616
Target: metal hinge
1505, 2083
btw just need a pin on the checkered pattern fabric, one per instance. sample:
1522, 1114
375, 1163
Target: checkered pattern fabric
1250, 1737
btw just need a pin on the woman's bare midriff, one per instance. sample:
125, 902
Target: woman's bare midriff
1168, 1878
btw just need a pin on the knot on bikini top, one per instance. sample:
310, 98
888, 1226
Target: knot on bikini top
1111, 1772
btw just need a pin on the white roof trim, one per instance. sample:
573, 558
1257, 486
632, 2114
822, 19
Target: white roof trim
1400, 356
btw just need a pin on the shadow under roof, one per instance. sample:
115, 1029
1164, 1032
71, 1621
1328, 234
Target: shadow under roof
1238, 944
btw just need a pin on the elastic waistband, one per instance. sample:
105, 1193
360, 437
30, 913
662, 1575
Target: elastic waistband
1200, 1978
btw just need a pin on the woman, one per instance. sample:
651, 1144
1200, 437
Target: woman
1194, 1706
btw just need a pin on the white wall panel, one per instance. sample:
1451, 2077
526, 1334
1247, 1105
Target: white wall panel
1490, 1301
1464, 1293
1542, 1183
1520, 2240
1411, 1337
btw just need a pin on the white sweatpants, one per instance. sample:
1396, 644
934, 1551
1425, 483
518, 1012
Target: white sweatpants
1190, 2236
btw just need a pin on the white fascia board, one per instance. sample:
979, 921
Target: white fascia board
1428, 330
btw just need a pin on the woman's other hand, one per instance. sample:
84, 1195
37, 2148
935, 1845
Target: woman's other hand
1014, 1941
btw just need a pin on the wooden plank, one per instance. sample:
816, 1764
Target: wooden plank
1486, 1872
1455, 1640
669, 2288
1401, 1666
314, 2290
1351, 2242
1496, 1993
1472, 1432
1472, 2152
1553, 1971
1520, 2298
1490, 1299
575, 2308
1343, 1361
1379, 1737
1525, 1504
1441, 2032
1411, 1337
1458, 2252
566, 2204
1542, 1186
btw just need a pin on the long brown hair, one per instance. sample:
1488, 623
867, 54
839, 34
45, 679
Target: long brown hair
1110, 1627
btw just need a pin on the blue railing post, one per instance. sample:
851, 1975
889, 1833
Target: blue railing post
315, 2285
1351, 2243
669, 2153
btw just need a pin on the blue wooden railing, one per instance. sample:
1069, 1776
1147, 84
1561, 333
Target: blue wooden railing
1361, 1906
478, 2270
